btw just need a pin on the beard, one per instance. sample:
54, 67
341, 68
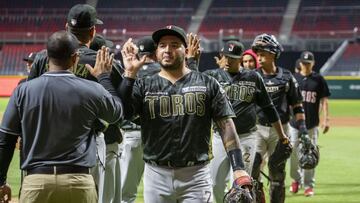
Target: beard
173, 66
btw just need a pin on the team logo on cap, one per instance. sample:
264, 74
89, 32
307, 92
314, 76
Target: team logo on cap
169, 27
30, 55
141, 47
73, 22
231, 47
306, 55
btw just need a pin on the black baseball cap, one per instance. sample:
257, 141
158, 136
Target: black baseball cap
82, 16
307, 57
233, 49
230, 38
146, 45
100, 41
30, 57
170, 30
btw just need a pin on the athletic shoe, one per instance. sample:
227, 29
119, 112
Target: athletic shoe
309, 192
294, 188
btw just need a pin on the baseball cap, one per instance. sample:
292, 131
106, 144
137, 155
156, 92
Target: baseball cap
146, 45
82, 16
230, 38
233, 49
100, 41
170, 30
307, 57
30, 57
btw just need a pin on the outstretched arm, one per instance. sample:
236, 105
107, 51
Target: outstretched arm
232, 146
132, 65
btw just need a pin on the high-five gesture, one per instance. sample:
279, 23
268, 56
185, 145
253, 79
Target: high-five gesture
193, 49
131, 62
103, 62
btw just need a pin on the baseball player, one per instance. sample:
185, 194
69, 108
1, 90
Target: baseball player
132, 163
29, 61
81, 21
315, 92
285, 94
56, 129
245, 89
176, 108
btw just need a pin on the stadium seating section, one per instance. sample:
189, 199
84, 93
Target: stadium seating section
24, 19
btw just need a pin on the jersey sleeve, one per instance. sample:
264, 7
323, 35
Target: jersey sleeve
11, 122
137, 96
325, 92
293, 93
110, 108
220, 105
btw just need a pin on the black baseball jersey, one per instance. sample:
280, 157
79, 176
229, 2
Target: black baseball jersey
176, 118
147, 70
87, 56
313, 88
245, 90
284, 91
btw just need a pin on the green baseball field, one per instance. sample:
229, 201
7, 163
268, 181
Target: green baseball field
337, 175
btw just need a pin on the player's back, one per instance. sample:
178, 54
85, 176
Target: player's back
60, 108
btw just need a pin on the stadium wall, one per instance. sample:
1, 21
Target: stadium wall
8, 84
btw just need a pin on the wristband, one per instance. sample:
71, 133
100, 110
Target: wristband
235, 157
298, 109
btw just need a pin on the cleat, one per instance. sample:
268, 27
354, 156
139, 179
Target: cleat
294, 188
309, 192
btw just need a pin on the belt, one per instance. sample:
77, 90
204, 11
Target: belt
57, 170
176, 164
131, 127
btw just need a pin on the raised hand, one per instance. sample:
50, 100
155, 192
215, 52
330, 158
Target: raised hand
193, 48
131, 62
103, 62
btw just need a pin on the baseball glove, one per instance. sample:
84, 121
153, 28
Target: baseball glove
240, 191
281, 153
309, 153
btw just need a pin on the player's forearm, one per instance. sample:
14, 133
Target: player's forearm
325, 109
299, 114
231, 143
7, 146
228, 134
279, 129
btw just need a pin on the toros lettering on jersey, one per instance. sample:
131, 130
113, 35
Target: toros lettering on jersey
309, 96
190, 103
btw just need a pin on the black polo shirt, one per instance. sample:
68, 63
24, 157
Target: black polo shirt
54, 115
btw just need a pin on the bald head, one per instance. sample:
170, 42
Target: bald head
61, 47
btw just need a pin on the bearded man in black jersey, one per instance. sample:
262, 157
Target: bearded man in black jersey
176, 109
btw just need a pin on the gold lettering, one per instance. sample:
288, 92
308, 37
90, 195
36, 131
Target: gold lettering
177, 105
151, 100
